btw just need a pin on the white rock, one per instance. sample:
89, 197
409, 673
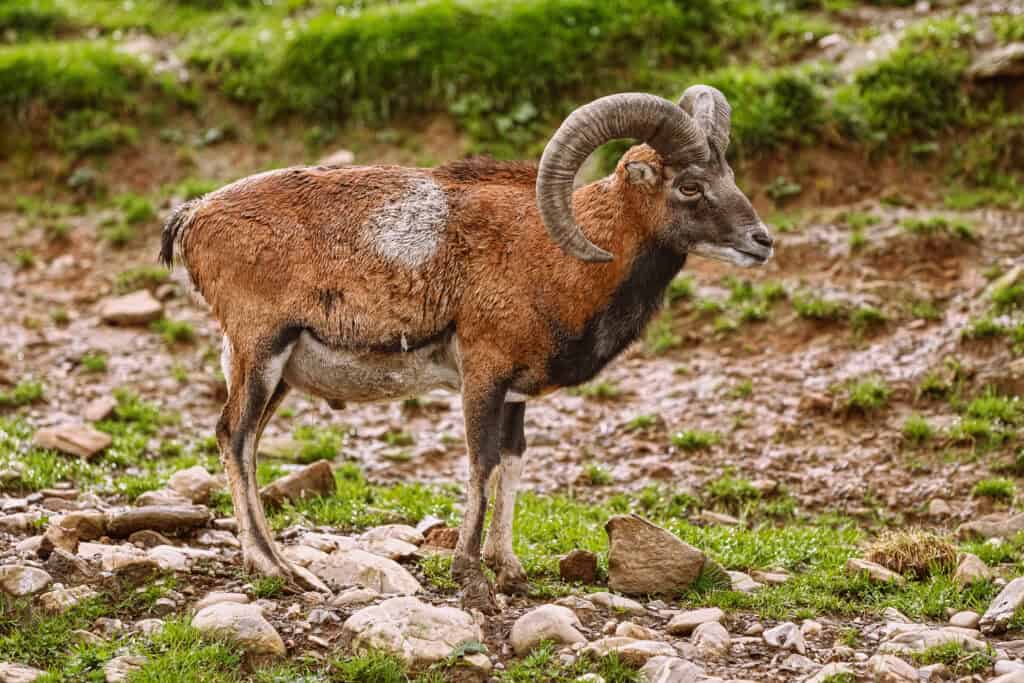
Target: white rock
547, 622
111, 557
243, 624
970, 569
398, 532
965, 619
149, 627
616, 603
194, 483
303, 555
875, 571
810, 629
60, 598
328, 542
664, 669
218, 538
1002, 608
786, 636
168, 558
743, 583
631, 651
391, 548
19, 580
359, 568
18, 673
217, 597
798, 663
118, 669
417, 633
828, 671
354, 596
683, 623
1012, 677
891, 669
1006, 666
631, 630
75, 439
711, 639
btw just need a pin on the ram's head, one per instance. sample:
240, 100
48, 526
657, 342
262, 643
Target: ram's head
705, 213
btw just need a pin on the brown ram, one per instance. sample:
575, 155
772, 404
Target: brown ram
494, 279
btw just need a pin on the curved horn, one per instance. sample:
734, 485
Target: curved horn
711, 110
654, 120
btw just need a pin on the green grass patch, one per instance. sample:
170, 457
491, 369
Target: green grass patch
866, 395
140, 277
917, 431
958, 659
817, 308
695, 439
25, 392
996, 488
939, 225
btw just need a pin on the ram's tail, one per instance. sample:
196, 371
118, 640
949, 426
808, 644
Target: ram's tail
174, 230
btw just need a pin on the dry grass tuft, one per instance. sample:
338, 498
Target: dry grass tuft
915, 550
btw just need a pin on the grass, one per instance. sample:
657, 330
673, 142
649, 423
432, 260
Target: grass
24, 393
94, 362
917, 431
996, 488
174, 331
695, 440
267, 586
866, 395
958, 659
984, 327
731, 492
597, 475
864, 319
140, 277
817, 308
600, 390
1008, 297
913, 551
939, 225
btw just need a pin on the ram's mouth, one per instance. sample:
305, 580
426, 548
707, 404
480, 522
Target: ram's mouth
732, 255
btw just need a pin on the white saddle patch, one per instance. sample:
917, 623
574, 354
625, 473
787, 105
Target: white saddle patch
408, 229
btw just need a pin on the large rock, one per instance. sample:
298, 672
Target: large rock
243, 624
163, 518
19, 580
76, 439
644, 558
992, 527
308, 482
344, 568
137, 308
664, 669
194, 483
1005, 61
684, 623
999, 613
18, 673
578, 565
630, 651
417, 633
547, 622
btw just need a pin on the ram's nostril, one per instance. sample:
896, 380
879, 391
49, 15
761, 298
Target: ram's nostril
763, 238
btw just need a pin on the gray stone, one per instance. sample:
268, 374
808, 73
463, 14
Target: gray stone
308, 482
545, 623
970, 569
616, 603
891, 669
711, 639
118, 669
194, 483
684, 623
355, 567
243, 624
18, 673
137, 308
75, 439
1005, 61
162, 518
874, 571
644, 558
19, 580
668, 669
1001, 610
786, 636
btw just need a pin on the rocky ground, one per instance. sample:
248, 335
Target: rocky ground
807, 472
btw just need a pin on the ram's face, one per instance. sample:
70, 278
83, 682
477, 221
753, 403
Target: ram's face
710, 216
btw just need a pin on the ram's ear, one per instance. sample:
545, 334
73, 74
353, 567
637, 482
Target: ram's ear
641, 174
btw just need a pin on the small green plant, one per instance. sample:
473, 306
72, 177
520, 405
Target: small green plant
174, 331
661, 336
925, 310
857, 239
600, 390
866, 318
982, 328
437, 569
60, 316
742, 389
939, 225
996, 488
680, 289
782, 189
695, 440
394, 437
858, 220
817, 308
94, 361
24, 392
732, 492
267, 586
597, 475
136, 209
141, 277
867, 395
641, 423
917, 431
1008, 297
118, 234
24, 259
959, 660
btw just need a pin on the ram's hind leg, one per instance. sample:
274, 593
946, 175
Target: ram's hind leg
255, 390
498, 552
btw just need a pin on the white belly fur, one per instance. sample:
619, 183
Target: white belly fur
343, 375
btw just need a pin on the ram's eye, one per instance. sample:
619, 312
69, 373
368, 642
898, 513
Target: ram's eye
689, 189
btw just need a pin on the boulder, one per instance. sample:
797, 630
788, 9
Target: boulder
194, 483
308, 482
1001, 610
242, 624
74, 439
162, 518
644, 558
359, 568
19, 580
545, 623
417, 633
578, 565
137, 308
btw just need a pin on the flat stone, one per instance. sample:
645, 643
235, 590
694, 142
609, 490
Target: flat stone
354, 596
1001, 610
743, 583
20, 580
303, 555
360, 568
417, 633
554, 623
99, 409
162, 496
119, 669
308, 482
578, 566
992, 527
616, 603
684, 623
670, 669
876, 572
18, 673
712, 517
137, 308
168, 558
194, 483
965, 619
162, 518
770, 578
645, 559
711, 639
635, 653
215, 597
75, 439
891, 669
398, 532
60, 599
242, 624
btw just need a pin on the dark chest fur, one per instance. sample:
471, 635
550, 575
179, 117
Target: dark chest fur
578, 357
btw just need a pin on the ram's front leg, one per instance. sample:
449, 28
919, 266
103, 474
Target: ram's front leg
482, 402
498, 552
